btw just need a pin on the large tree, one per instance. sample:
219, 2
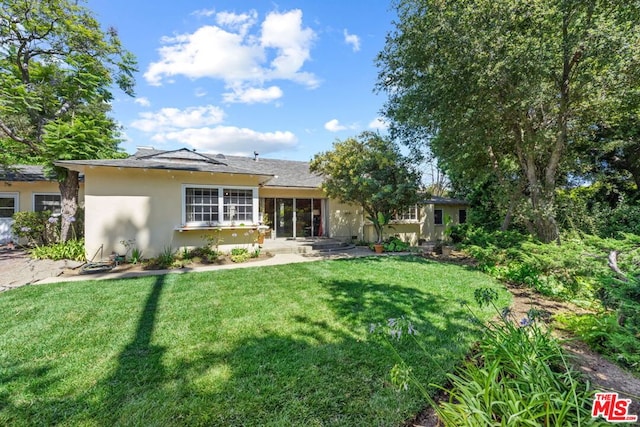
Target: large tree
506, 88
369, 170
57, 70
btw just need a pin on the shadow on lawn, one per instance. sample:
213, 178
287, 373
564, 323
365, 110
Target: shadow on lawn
317, 372
139, 367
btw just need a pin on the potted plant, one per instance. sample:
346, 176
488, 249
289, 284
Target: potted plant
379, 221
447, 248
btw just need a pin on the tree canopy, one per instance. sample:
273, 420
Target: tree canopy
511, 92
369, 170
57, 71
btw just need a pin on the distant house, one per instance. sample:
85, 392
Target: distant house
175, 198
26, 188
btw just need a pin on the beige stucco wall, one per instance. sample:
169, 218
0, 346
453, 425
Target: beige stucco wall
414, 231
345, 220
26, 190
432, 232
407, 231
146, 206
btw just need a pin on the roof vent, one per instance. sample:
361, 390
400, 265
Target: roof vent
220, 156
255, 156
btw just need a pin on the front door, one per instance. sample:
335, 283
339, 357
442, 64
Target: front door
8, 206
284, 218
293, 217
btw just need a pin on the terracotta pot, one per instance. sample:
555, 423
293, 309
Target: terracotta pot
260, 239
378, 248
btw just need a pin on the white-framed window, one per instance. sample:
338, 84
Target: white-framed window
201, 205
47, 202
238, 205
207, 205
408, 214
8, 205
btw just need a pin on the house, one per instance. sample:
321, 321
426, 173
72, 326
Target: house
26, 188
180, 198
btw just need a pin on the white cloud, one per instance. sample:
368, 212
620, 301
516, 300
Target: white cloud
231, 140
379, 124
238, 22
142, 101
284, 33
204, 12
168, 119
200, 92
229, 51
253, 95
208, 52
353, 40
334, 126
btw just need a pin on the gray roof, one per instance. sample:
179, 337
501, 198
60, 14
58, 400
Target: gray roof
24, 173
280, 173
437, 200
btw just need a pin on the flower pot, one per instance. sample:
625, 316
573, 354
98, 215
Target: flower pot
446, 250
378, 248
260, 238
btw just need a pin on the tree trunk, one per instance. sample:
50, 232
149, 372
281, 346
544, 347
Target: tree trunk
69, 195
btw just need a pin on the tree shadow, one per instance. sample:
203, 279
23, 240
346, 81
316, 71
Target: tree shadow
320, 370
139, 367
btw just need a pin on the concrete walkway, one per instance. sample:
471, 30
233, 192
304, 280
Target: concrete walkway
17, 269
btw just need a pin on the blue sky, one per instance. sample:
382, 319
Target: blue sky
284, 78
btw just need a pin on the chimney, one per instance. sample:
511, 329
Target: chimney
255, 156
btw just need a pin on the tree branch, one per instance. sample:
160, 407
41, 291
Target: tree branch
613, 265
7, 131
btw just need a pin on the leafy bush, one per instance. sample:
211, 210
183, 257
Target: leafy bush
36, 227
614, 332
204, 255
164, 260
240, 255
43, 228
394, 244
518, 376
71, 249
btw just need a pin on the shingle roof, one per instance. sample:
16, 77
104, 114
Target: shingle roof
281, 173
437, 200
24, 173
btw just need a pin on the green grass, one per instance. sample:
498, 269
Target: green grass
268, 346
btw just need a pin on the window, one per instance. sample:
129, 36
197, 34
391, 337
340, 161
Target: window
47, 202
238, 205
409, 214
8, 205
207, 206
437, 216
462, 216
201, 205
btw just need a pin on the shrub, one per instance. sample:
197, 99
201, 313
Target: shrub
164, 260
518, 376
240, 255
35, 227
43, 228
71, 249
394, 244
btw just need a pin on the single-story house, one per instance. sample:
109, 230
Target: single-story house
173, 199
26, 188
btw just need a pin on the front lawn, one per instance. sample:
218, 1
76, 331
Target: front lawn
268, 346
